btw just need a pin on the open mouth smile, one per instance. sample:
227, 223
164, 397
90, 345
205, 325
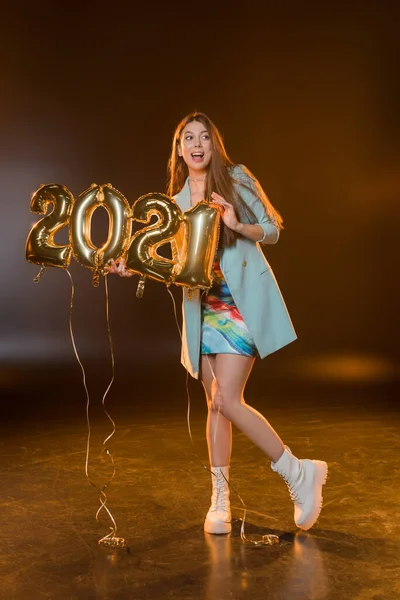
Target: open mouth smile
197, 156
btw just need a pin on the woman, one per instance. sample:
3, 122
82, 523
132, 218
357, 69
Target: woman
243, 316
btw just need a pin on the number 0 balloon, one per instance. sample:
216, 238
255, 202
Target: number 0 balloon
118, 232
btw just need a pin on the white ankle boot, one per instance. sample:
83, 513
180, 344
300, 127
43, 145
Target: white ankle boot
218, 519
304, 479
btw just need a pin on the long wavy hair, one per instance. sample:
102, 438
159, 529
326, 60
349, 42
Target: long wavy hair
218, 178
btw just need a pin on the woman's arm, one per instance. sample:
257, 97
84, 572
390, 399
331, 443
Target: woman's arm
263, 232
270, 232
253, 232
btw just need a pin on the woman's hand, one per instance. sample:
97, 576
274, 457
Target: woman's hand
228, 212
252, 232
117, 267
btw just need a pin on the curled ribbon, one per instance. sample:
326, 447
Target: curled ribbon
111, 539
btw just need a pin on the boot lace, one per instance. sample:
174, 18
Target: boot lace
219, 499
291, 486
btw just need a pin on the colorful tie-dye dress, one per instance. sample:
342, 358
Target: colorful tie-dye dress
223, 329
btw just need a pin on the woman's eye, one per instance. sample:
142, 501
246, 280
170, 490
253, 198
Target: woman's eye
188, 137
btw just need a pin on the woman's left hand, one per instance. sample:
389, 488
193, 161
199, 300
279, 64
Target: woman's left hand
228, 213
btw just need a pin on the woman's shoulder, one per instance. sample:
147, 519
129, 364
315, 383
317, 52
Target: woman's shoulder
240, 172
236, 170
241, 175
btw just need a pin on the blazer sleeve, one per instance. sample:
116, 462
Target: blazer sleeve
249, 196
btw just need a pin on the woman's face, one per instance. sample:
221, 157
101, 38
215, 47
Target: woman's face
195, 146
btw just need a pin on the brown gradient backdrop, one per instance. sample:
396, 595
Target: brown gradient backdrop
305, 97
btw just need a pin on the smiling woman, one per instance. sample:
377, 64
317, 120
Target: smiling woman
196, 147
243, 316
195, 150
198, 153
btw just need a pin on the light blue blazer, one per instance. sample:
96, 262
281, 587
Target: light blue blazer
251, 282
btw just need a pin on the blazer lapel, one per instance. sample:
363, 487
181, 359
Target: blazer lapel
182, 198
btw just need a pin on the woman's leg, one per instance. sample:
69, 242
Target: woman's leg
219, 440
304, 478
231, 372
219, 428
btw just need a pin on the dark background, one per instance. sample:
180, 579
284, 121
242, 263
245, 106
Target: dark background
306, 96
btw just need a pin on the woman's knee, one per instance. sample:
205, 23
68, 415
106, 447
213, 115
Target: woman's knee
224, 399
210, 404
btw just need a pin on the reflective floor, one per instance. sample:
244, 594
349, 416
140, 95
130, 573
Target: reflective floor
161, 492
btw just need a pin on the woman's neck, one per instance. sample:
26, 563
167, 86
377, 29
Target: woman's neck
197, 186
197, 175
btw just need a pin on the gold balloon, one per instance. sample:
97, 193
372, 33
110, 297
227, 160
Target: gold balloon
193, 235
120, 223
40, 246
119, 214
142, 256
197, 246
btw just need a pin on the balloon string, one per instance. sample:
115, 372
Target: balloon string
111, 347
39, 275
103, 497
265, 540
175, 313
219, 408
110, 539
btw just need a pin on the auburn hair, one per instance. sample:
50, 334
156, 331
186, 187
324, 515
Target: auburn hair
219, 178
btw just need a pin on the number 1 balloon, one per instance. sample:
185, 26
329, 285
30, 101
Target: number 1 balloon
197, 246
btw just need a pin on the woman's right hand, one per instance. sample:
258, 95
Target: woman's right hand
118, 267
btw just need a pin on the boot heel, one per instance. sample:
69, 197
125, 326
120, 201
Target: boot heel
321, 473
218, 528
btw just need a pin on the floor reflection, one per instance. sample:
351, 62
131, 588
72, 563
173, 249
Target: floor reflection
307, 575
219, 580
238, 568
